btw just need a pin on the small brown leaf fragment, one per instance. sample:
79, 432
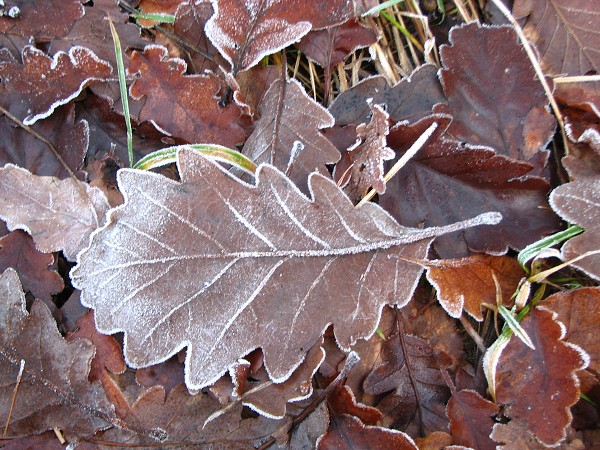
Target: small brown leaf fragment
70, 138
468, 283
515, 436
577, 202
54, 391
59, 214
42, 19
410, 99
287, 133
342, 401
471, 420
331, 46
167, 374
539, 386
34, 89
579, 311
185, 106
366, 156
245, 31
492, 89
18, 251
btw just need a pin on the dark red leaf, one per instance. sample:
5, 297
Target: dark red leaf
471, 420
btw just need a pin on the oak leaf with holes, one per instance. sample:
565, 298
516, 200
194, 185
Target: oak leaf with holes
290, 266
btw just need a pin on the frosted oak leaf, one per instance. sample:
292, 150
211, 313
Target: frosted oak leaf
223, 267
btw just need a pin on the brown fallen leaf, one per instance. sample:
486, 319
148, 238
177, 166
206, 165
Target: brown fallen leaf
577, 202
59, 214
37, 270
468, 283
539, 386
184, 106
245, 31
492, 90
46, 375
471, 420
34, 89
331, 263
287, 133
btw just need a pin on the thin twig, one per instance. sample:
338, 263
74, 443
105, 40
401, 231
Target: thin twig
14, 397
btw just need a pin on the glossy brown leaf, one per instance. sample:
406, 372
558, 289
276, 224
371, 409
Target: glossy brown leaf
245, 31
59, 214
332, 263
492, 91
364, 160
411, 99
468, 283
287, 133
69, 136
42, 19
447, 181
36, 270
577, 202
185, 106
331, 46
471, 420
53, 391
411, 375
539, 386
349, 427
579, 311
34, 89
564, 34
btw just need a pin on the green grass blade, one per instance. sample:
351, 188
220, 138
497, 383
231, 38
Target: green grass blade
534, 249
515, 326
380, 7
217, 152
155, 17
403, 30
123, 89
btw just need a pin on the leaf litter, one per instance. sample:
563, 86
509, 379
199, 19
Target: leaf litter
273, 285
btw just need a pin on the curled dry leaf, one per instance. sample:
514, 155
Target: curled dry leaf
468, 283
34, 89
245, 31
577, 202
69, 137
539, 386
471, 420
287, 133
59, 214
184, 106
159, 269
364, 159
36, 270
410, 99
53, 390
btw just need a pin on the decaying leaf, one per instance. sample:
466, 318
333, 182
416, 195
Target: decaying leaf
290, 267
530, 380
37, 270
411, 99
471, 420
492, 90
70, 138
352, 425
184, 106
447, 181
287, 134
59, 214
564, 34
364, 159
245, 31
577, 202
468, 283
48, 375
34, 89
